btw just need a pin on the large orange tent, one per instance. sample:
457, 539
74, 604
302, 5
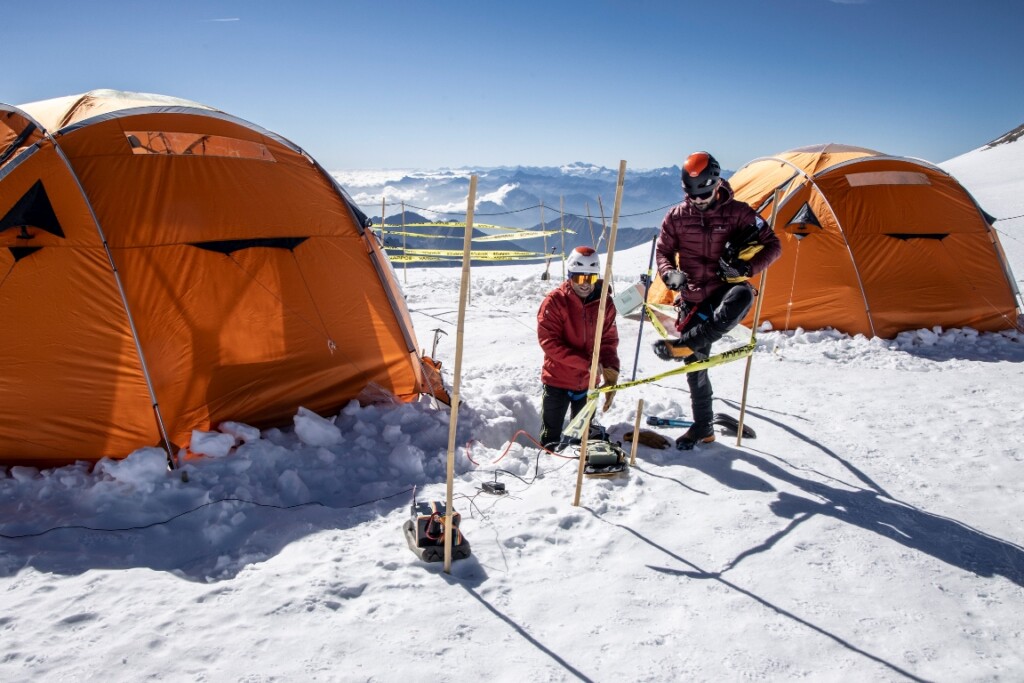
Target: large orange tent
165, 266
875, 245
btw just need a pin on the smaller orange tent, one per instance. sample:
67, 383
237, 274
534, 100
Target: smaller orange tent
165, 266
875, 245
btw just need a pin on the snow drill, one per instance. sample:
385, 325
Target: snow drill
604, 457
425, 532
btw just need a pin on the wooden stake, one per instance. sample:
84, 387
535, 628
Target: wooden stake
547, 259
636, 431
753, 328
561, 208
600, 326
593, 240
453, 420
405, 263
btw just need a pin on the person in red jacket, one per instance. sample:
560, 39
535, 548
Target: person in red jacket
566, 324
708, 246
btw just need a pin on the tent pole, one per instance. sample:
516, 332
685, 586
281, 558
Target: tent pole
127, 309
600, 327
453, 420
757, 317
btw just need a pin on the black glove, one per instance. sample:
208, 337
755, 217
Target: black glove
674, 279
734, 271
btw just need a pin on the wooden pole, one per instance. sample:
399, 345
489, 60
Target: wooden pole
600, 326
547, 259
753, 328
636, 431
593, 240
561, 208
453, 420
405, 263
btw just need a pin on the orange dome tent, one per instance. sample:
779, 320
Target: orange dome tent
875, 245
165, 267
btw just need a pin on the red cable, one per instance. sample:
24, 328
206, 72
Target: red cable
509, 447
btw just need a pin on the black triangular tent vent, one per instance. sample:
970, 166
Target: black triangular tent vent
805, 216
34, 210
231, 246
917, 235
21, 252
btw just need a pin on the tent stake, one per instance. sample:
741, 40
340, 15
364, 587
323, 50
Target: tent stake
753, 328
453, 420
600, 326
636, 431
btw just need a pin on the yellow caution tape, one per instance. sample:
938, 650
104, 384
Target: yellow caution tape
518, 235
451, 224
421, 259
481, 255
649, 310
424, 234
574, 430
716, 360
575, 427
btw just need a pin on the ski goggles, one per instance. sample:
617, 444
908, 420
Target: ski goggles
701, 195
583, 278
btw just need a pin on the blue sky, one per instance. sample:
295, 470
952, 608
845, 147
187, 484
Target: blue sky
433, 83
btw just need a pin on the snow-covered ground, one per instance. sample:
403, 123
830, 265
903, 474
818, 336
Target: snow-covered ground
871, 531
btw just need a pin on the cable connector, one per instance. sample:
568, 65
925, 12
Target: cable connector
496, 488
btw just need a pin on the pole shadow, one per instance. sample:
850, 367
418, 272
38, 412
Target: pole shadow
861, 476
696, 572
943, 538
476, 576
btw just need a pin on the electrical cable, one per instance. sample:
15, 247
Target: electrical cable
200, 507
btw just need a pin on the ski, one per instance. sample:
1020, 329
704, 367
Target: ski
668, 422
730, 425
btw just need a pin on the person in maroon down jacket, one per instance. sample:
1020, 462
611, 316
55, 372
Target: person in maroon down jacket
708, 246
566, 323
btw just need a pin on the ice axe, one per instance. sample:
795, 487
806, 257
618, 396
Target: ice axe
437, 335
546, 275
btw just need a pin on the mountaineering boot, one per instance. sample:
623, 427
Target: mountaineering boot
674, 349
700, 432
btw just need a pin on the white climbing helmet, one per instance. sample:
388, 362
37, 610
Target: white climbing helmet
583, 260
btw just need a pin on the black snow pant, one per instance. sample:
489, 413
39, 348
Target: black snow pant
715, 316
554, 403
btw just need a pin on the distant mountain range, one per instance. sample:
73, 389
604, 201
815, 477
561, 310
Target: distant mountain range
578, 232
513, 196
